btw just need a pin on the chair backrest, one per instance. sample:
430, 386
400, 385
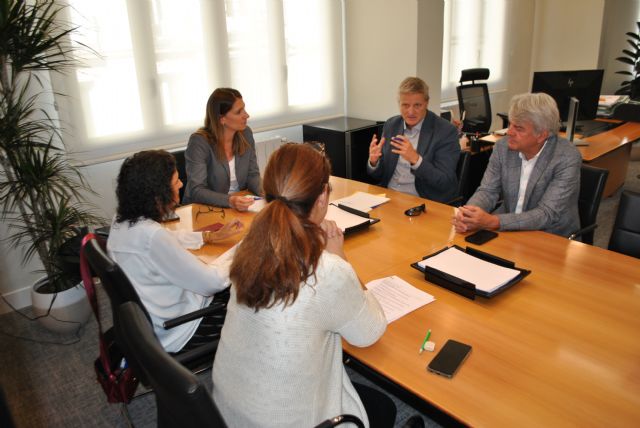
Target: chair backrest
182, 169
625, 237
592, 182
113, 279
473, 99
462, 171
182, 399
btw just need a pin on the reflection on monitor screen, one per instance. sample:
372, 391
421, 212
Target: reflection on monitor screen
562, 85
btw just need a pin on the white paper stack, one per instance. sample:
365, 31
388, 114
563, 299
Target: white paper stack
362, 201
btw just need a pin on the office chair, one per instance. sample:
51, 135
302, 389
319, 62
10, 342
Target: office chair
120, 290
592, 182
182, 399
6, 420
182, 169
625, 236
462, 172
473, 100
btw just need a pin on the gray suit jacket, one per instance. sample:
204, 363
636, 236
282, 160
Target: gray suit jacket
208, 179
551, 197
439, 147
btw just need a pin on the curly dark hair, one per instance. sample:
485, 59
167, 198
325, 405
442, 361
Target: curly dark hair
144, 186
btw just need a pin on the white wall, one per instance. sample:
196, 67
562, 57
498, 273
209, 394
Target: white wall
567, 34
381, 46
620, 17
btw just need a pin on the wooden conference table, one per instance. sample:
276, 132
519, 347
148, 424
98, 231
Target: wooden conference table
610, 150
561, 348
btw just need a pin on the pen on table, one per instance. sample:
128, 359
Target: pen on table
452, 233
424, 342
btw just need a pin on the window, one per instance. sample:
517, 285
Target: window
474, 36
159, 60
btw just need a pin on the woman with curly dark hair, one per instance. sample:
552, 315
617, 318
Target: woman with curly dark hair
294, 297
169, 279
221, 156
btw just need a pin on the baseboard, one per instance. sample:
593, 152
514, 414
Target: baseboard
19, 299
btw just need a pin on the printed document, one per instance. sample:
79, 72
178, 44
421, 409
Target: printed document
397, 297
344, 219
486, 276
362, 201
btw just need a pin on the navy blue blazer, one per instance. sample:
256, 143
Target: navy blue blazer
439, 147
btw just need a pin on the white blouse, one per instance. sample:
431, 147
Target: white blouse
169, 279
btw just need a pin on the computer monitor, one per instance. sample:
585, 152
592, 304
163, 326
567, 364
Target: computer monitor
584, 85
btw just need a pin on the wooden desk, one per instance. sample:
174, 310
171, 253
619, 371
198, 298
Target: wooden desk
610, 150
561, 348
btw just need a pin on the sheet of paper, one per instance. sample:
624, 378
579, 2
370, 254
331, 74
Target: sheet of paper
343, 218
397, 297
362, 201
257, 205
486, 276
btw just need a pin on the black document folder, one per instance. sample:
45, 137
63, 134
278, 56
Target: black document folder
466, 288
349, 219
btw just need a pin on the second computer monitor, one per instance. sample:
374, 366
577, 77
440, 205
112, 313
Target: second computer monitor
584, 85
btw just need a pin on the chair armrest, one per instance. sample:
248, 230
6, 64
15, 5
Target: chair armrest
582, 231
505, 119
214, 308
341, 419
194, 356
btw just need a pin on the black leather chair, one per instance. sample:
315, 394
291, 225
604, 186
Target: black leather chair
462, 172
182, 169
625, 236
120, 290
473, 100
592, 182
182, 400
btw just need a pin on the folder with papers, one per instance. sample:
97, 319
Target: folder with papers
470, 272
348, 219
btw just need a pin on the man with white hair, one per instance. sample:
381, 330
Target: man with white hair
532, 170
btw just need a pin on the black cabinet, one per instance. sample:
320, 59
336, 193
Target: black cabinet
346, 141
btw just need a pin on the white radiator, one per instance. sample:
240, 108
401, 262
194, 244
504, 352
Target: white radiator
264, 149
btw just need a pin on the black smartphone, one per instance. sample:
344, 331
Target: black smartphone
481, 236
450, 357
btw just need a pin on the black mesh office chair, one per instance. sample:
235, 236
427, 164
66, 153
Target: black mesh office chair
120, 290
182, 400
473, 100
592, 182
462, 172
625, 236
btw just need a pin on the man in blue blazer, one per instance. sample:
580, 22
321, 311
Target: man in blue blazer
534, 172
418, 151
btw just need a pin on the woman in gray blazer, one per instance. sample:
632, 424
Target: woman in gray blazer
221, 156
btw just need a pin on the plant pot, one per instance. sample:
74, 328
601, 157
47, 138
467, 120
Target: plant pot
70, 309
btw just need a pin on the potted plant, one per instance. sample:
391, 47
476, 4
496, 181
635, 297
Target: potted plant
631, 57
42, 194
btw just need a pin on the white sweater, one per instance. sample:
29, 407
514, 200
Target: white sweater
169, 279
282, 367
